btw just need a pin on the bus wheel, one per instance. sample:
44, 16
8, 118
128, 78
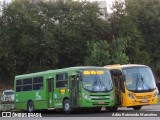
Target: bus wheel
137, 107
30, 106
67, 106
112, 109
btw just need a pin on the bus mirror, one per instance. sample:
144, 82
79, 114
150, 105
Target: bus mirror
78, 78
116, 72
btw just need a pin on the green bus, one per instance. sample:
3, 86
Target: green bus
65, 89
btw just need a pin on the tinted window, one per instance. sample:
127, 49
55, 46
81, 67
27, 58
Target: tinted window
19, 82
60, 77
38, 80
27, 81
62, 80
37, 86
29, 84
18, 88
61, 84
8, 93
27, 88
37, 83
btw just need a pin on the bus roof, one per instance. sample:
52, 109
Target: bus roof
58, 71
124, 66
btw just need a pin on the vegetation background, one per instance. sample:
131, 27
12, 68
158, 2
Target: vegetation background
42, 36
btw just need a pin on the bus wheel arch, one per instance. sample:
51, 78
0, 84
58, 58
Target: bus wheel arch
67, 105
30, 106
137, 107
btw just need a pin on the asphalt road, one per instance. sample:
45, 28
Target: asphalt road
103, 113
129, 113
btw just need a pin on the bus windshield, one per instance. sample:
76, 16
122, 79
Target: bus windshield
97, 80
139, 79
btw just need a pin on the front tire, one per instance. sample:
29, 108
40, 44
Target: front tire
30, 106
137, 107
67, 106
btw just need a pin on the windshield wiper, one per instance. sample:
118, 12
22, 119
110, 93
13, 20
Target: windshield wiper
102, 83
137, 81
142, 79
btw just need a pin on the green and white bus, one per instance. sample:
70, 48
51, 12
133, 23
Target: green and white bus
67, 89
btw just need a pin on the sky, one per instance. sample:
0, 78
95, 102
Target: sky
6, 0
109, 3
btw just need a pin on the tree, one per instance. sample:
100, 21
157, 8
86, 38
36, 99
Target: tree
102, 53
79, 23
149, 22
26, 43
46, 35
125, 24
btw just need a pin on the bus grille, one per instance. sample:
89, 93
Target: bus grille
99, 97
144, 97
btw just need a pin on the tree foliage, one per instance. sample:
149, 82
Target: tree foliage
46, 35
102, 53
139, 24
49, 35
125, 24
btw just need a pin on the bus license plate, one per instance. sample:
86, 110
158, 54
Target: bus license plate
144, 101
101, 102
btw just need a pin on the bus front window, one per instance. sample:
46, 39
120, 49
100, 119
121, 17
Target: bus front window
97, 80
139, 79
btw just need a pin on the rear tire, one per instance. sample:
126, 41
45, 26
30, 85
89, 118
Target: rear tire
137, 107
67, 106
30, 106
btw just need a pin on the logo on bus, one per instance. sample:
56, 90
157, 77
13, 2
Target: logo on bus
38, 97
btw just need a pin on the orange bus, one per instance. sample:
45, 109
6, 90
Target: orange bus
134, 85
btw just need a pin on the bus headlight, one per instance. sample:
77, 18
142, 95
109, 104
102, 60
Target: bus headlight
86, 96
130, 95
111, 96
155, 94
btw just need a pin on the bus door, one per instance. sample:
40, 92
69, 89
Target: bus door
116, 76
74, 93
50, 92
116, 79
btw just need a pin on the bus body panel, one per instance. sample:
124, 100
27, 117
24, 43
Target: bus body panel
101, 99
140, 98
49, 96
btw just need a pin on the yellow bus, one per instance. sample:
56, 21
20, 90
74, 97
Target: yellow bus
134, 85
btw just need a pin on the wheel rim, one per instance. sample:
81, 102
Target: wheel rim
30, 107
67, 106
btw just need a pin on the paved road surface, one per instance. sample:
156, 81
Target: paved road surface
103, 115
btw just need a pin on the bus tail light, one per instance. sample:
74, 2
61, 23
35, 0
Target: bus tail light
130, 95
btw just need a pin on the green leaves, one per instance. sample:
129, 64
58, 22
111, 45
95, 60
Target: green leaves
102, 53
46, 35
51, 35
